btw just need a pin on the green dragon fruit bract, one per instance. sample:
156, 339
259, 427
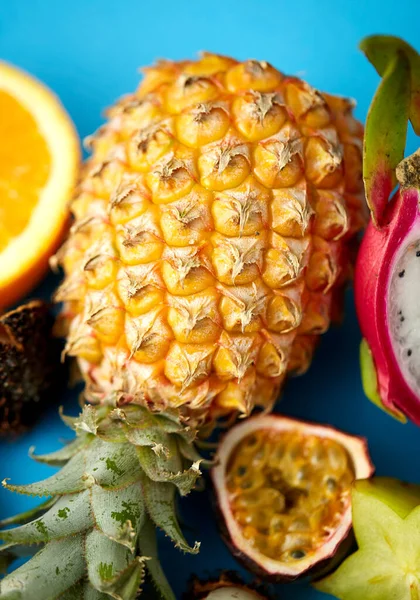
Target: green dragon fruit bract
388, 266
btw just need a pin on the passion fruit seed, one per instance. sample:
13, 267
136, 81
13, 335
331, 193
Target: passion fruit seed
288, 491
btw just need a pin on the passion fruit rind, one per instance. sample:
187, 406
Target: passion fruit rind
30, 367
314, 573
321, 569
200, 590
337, 541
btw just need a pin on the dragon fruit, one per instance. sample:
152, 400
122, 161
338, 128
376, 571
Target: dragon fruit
388, 266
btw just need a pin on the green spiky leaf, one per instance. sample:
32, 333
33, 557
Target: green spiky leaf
112, 465
148, 546
119, 514
160, 504
190, 452
127, 584
157, 469
83, 590
112, 428
67, 420
89, 593
70, 479
120, 577
87, 422
19, 551
385, 134
100, 570
102, 506
59, 566
59, 457
69, 515
148, 437
28, 515
76, 591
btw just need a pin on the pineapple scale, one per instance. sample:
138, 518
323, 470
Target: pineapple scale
212, 230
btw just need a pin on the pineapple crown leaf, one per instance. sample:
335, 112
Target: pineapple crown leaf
189, 452
160, 503
83, 589
97, 531
59, 457
120, 576
168, 468
68, 516
60, 561
127, 516
28, 515
149, 547
67, 420
87, 422
160, 450
69, 480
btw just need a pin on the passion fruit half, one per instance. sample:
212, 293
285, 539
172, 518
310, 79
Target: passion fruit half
283, 491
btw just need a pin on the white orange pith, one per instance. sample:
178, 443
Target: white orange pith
289, 491
39, 158
211, 235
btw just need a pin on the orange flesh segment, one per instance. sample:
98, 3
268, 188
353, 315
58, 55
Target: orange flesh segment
288, 491
25, 164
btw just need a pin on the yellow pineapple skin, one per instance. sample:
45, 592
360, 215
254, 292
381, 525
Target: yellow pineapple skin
212, 230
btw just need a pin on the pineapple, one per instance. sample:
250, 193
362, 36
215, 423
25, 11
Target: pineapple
212, 235
211, 232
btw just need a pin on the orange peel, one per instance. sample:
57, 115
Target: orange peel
39, 161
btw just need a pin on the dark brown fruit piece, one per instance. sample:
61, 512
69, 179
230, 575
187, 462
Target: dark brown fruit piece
29, 365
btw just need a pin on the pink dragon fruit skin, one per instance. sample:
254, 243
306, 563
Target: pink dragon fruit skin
376, 264
387, 275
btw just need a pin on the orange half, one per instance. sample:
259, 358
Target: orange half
39, 161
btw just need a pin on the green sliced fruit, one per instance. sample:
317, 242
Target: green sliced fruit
386, 566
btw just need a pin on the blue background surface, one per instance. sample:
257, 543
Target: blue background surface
88, 51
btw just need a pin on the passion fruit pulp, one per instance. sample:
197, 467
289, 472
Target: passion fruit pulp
283, 491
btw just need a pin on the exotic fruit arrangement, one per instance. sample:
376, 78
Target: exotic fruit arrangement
388, 267
214, 226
